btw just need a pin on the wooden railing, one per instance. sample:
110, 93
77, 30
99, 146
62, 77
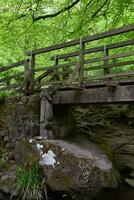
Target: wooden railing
82, 66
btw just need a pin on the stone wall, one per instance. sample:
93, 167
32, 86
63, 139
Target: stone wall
19, 117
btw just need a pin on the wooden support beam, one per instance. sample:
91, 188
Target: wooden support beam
81, 62
32, 70
106, 62
119, 94
46, 117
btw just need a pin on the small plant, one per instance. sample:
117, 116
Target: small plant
3, 159
30, 184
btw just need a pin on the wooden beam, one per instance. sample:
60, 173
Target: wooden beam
115, 56
96, 49
9, 87
118, 64
81, 62
11, 77
110, 33
32, 70
52, 67
120, 94
114, 75
17, 64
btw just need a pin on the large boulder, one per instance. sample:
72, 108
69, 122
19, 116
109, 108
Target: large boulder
79, 168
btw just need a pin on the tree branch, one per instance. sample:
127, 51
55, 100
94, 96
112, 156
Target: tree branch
88, 5
99, 9
67, 8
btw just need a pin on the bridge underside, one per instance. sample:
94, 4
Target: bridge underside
109, 93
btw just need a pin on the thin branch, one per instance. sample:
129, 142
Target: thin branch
94, 15
88, 5
58, 12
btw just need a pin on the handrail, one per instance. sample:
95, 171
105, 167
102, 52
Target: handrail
76, 70
95, 49
85, 40
17, 64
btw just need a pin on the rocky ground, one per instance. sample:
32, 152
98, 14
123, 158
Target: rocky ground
91, 157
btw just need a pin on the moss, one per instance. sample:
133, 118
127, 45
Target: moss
95, 138
29, 155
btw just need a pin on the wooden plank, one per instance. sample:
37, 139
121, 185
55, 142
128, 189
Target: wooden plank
120, 55
87, 61
52, 67
115, 75
11, 77
43, 75
17, 64
9, 87
110, 33
96, 49
118, 64
121, 94
25, 84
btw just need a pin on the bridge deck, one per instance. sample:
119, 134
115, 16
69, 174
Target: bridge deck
90, 95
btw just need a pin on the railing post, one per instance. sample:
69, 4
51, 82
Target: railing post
26, 76
55, 71
106, 62
32, 72
81, 62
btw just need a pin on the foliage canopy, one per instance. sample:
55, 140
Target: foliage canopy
29, 24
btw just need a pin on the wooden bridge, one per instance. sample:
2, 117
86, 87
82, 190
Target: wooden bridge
95, 69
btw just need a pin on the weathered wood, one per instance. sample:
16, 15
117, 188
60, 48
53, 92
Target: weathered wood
106, 62
87, 39
55, 67
17, 64
11, 77
115, 56
87, 61
96, 49
9, 87
55, 75
32, 69
25, 84
27, 74
115, 75
81, 62
43, 75
121, 94
46, 118
118, 64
